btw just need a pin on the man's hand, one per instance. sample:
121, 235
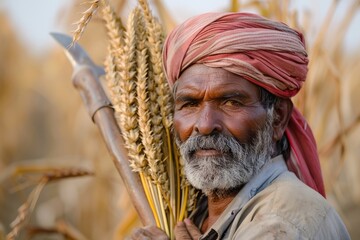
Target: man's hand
186, 231
149, 233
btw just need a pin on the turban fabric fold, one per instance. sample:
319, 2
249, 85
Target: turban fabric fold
264, 52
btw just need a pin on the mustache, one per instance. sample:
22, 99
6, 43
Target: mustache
217, 141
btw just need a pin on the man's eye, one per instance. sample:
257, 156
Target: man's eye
233, 103
190, 104
187, 104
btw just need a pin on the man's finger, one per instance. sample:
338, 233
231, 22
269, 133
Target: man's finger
139, 233
192, 229
181, 232
149, 233
156, 233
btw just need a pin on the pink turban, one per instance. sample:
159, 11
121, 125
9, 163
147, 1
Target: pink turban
264, 52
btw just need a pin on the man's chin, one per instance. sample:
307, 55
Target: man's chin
216, 181
222, 193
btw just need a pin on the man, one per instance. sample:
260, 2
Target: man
244, 144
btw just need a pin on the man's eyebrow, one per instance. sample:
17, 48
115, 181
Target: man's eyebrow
184, 97
240, 95
234, 94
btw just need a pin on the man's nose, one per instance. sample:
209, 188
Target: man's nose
208, 121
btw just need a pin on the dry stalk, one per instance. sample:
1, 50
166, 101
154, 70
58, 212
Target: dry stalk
235, 6
27, 207
168, 21
85, 19
59, 174
328, 147
25, 210
129, 220
315, 52
61, 227
188, 193
344, 25
193, 196
69, 231
338, 97
121, 5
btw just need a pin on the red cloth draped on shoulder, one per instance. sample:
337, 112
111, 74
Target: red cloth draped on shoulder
265, 52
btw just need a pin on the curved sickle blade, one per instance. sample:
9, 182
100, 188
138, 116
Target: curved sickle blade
76, 54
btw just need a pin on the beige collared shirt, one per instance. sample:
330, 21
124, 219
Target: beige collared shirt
275, 205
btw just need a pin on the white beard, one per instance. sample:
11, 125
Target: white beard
237, 165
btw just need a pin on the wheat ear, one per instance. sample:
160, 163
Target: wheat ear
115, 29
115, 32
157, 165
155, 41
157, 99
85, 19
128, 110
121, 66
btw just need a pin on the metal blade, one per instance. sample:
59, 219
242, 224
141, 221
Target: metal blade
76, 54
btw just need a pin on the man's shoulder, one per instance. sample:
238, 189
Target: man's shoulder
287, 196
289, 190
288, 201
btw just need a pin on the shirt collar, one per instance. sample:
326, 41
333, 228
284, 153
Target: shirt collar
269, 172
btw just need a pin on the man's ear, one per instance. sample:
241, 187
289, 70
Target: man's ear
282, 112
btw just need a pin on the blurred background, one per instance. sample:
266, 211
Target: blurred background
44, 126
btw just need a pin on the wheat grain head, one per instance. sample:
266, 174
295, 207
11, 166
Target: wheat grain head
85, 19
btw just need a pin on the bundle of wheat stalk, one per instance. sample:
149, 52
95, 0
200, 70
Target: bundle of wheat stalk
143, 107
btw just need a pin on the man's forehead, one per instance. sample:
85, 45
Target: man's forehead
200, 77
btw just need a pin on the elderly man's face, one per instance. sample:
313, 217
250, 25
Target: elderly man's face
223, 131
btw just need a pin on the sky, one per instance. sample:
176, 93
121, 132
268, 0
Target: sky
35, 19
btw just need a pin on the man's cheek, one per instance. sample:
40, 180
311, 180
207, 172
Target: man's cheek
183, 125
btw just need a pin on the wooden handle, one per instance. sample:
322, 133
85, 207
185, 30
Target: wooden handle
102, 114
